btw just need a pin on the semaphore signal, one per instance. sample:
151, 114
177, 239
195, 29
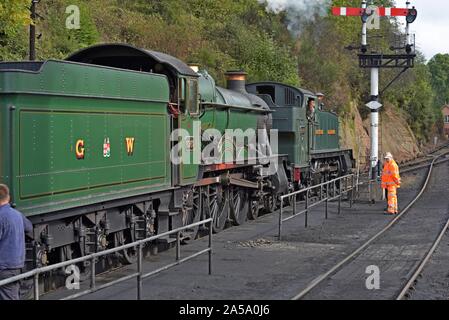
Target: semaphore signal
381, 12
377, 60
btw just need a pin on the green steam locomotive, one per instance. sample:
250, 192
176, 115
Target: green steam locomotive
88, 148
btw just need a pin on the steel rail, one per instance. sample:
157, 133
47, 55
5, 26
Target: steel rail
423, 162
423, 263
423, 166
425, 158
410, 165
323, 277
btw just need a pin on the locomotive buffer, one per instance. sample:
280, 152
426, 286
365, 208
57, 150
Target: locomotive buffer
376, 60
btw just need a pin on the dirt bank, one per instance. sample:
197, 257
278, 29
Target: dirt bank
395, 134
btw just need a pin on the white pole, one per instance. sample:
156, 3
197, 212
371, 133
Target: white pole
364, 28
374, 122
374, 140
374, 83
407, 29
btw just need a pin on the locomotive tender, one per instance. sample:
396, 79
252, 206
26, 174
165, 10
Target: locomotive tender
86, 148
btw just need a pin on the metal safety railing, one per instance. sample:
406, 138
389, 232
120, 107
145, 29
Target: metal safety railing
327, 191
139, 274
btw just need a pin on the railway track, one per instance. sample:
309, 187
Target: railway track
410, 285
331, 275
424, 162
420, 162
422, 166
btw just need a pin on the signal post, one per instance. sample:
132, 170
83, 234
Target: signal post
375, 61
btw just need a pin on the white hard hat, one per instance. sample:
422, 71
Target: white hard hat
388, 155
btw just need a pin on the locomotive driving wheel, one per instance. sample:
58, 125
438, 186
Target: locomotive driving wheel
217, 206
192, 214
253, 209
127, 256
239, 205
270, 203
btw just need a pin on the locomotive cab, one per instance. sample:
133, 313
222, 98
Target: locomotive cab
289, 118
307, 134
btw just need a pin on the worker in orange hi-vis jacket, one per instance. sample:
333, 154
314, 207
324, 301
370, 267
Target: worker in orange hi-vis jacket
391, 181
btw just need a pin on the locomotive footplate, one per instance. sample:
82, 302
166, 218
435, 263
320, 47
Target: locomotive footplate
235, 179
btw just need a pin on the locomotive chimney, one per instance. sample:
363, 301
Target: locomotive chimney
236, 80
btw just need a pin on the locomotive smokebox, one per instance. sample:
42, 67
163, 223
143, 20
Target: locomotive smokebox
236, 81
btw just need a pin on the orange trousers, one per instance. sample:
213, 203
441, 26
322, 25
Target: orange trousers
392, 199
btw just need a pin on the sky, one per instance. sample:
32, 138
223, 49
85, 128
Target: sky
431, 27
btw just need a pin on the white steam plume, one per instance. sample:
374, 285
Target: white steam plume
299, 11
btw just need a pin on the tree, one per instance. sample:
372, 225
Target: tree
14, 14
439, 70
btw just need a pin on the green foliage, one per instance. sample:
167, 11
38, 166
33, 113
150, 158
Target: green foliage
57, 41
263, 59
439, 69
14, 14
219, 35
18, 42
416, 96
236, 34
54, 39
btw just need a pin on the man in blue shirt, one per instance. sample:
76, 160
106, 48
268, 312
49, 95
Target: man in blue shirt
13, 226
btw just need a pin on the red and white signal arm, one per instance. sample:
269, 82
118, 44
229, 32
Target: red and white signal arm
381, 12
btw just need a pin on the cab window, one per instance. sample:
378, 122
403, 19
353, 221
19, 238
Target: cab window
182, 94
192, 96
